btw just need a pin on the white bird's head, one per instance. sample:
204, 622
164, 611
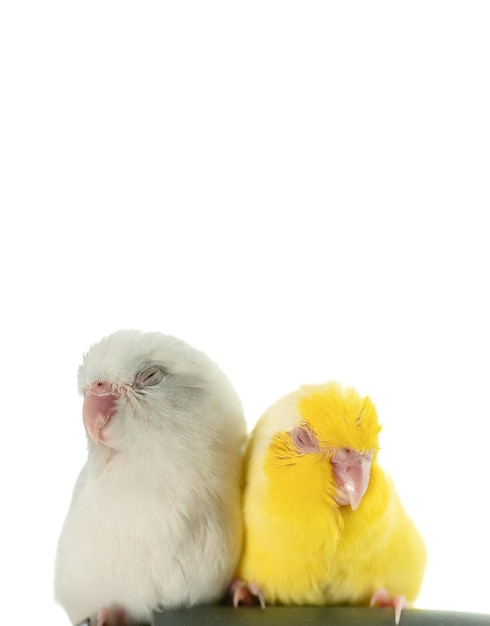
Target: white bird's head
138, 386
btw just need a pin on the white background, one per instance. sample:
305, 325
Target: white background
299, 189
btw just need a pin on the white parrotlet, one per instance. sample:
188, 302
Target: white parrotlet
155, 519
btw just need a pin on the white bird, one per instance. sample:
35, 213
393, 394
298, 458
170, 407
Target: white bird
155, 518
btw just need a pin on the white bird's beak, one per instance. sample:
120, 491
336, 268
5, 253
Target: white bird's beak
100, 403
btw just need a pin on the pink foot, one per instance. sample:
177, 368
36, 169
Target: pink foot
112, 616
248, 594
382, 598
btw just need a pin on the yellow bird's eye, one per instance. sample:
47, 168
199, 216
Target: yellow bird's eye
305, 440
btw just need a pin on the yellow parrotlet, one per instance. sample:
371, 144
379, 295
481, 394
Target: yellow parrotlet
323, 522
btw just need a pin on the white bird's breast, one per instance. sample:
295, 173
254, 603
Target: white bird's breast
147, 535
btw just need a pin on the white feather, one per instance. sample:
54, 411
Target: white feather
156, 522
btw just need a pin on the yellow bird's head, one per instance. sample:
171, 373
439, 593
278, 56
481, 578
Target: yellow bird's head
327, 429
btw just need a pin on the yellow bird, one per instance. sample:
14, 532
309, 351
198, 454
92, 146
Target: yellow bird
324, 523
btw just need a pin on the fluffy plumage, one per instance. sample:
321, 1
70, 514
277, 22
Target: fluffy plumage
155, 517
323, 522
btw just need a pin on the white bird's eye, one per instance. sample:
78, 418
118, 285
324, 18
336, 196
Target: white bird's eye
149, 377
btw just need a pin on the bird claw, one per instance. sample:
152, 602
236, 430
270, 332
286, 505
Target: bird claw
382, 598
113, 616
103, 617
248, 594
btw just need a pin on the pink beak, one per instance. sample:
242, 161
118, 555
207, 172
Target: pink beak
352, 471
100, 403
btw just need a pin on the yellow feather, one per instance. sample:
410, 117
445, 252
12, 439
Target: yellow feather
301, 547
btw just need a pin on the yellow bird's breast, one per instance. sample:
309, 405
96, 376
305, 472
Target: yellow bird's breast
301, 548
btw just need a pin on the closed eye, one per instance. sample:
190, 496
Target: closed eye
149, 377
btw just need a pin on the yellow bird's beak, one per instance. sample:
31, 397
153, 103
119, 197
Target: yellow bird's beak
352, 471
